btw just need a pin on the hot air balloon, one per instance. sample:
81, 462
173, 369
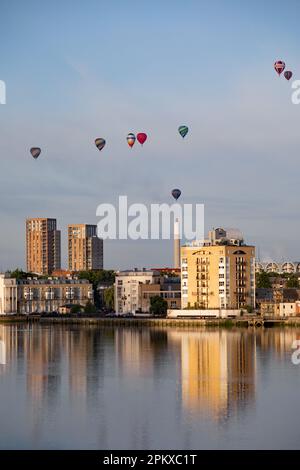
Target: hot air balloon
131, 139
141, 137
35, 152
288, 74
183, 130
279, 66
176, 193
100, 143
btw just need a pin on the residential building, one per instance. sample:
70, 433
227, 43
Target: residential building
43, 250
218, 273
281, 302
127, 293
166, 287
285, 309
48, 295
8, 295
85, 249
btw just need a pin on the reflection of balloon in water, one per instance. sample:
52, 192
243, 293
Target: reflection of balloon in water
288, 74
141, 137
176, 193
131, 139
35, 151
183, 130
279, 66
100, 143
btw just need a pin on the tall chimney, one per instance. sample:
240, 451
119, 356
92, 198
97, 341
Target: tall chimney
177, 244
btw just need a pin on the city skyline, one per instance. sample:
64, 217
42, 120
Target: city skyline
81, 86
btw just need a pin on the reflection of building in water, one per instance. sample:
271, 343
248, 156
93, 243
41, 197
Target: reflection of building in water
280, 340
218, 370
133, 350
38, 356
241, 368
10, 343
2, 347
78, 353
2, 352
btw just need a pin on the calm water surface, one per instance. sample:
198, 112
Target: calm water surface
75, 387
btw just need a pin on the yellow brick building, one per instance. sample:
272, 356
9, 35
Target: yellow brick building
218, 274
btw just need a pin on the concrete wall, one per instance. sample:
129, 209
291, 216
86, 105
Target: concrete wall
211, 313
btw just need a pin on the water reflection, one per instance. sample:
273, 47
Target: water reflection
79, 372
217, 370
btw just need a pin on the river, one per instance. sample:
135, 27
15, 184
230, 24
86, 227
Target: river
91, 387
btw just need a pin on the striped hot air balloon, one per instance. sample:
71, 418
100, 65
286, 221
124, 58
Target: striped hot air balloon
35, 152
100, 143
183, 130
131, 139
279, 66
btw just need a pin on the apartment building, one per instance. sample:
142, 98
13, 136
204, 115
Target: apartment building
43, 246
127, 295
134, 289
218, 273
8, 295
48, 295
85, 249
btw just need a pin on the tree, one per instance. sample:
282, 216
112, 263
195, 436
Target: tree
75, 309
89, 308
95, 277
20, 274
158, 306
263, 280
293, 281
98, 275
109, 298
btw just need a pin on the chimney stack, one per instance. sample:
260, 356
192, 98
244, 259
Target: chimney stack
177, 244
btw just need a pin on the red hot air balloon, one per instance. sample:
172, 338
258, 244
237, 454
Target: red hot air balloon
279, 66
141, 137
288, 74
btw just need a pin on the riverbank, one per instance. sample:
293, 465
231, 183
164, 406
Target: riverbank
153, 322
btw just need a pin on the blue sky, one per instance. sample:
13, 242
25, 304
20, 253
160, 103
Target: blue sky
79, 70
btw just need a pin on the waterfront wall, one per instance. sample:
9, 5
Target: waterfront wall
154, 322
207, 313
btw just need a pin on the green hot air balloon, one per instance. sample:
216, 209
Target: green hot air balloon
183, 130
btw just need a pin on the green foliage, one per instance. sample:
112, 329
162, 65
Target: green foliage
293, 281
98, 275
263, 280
89, 308
95, 277
158, 306
249, 308
20, 274
76, 309
109, 298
